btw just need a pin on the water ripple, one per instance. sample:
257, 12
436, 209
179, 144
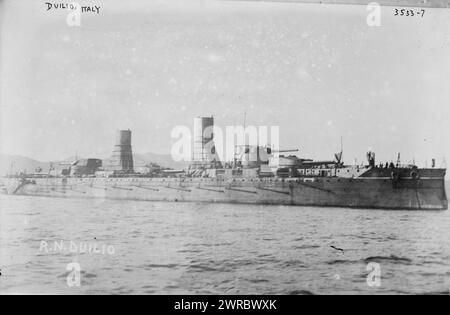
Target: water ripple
177, 248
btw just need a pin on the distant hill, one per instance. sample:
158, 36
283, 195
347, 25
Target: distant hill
17, 163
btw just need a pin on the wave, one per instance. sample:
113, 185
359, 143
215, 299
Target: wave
201, 267
306, 246
301, 292
257, 280
169, 266
340, 261
293, 263
392, 258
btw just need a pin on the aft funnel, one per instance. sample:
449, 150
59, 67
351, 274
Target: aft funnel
204, 153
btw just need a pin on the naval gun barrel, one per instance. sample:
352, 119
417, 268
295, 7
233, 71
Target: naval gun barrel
285, 151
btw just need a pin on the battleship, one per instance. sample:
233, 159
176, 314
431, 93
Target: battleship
257, 175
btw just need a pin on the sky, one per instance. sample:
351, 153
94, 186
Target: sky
318, 72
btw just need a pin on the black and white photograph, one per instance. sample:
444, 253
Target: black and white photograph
224, 153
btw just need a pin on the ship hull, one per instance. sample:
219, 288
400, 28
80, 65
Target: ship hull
376, 193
